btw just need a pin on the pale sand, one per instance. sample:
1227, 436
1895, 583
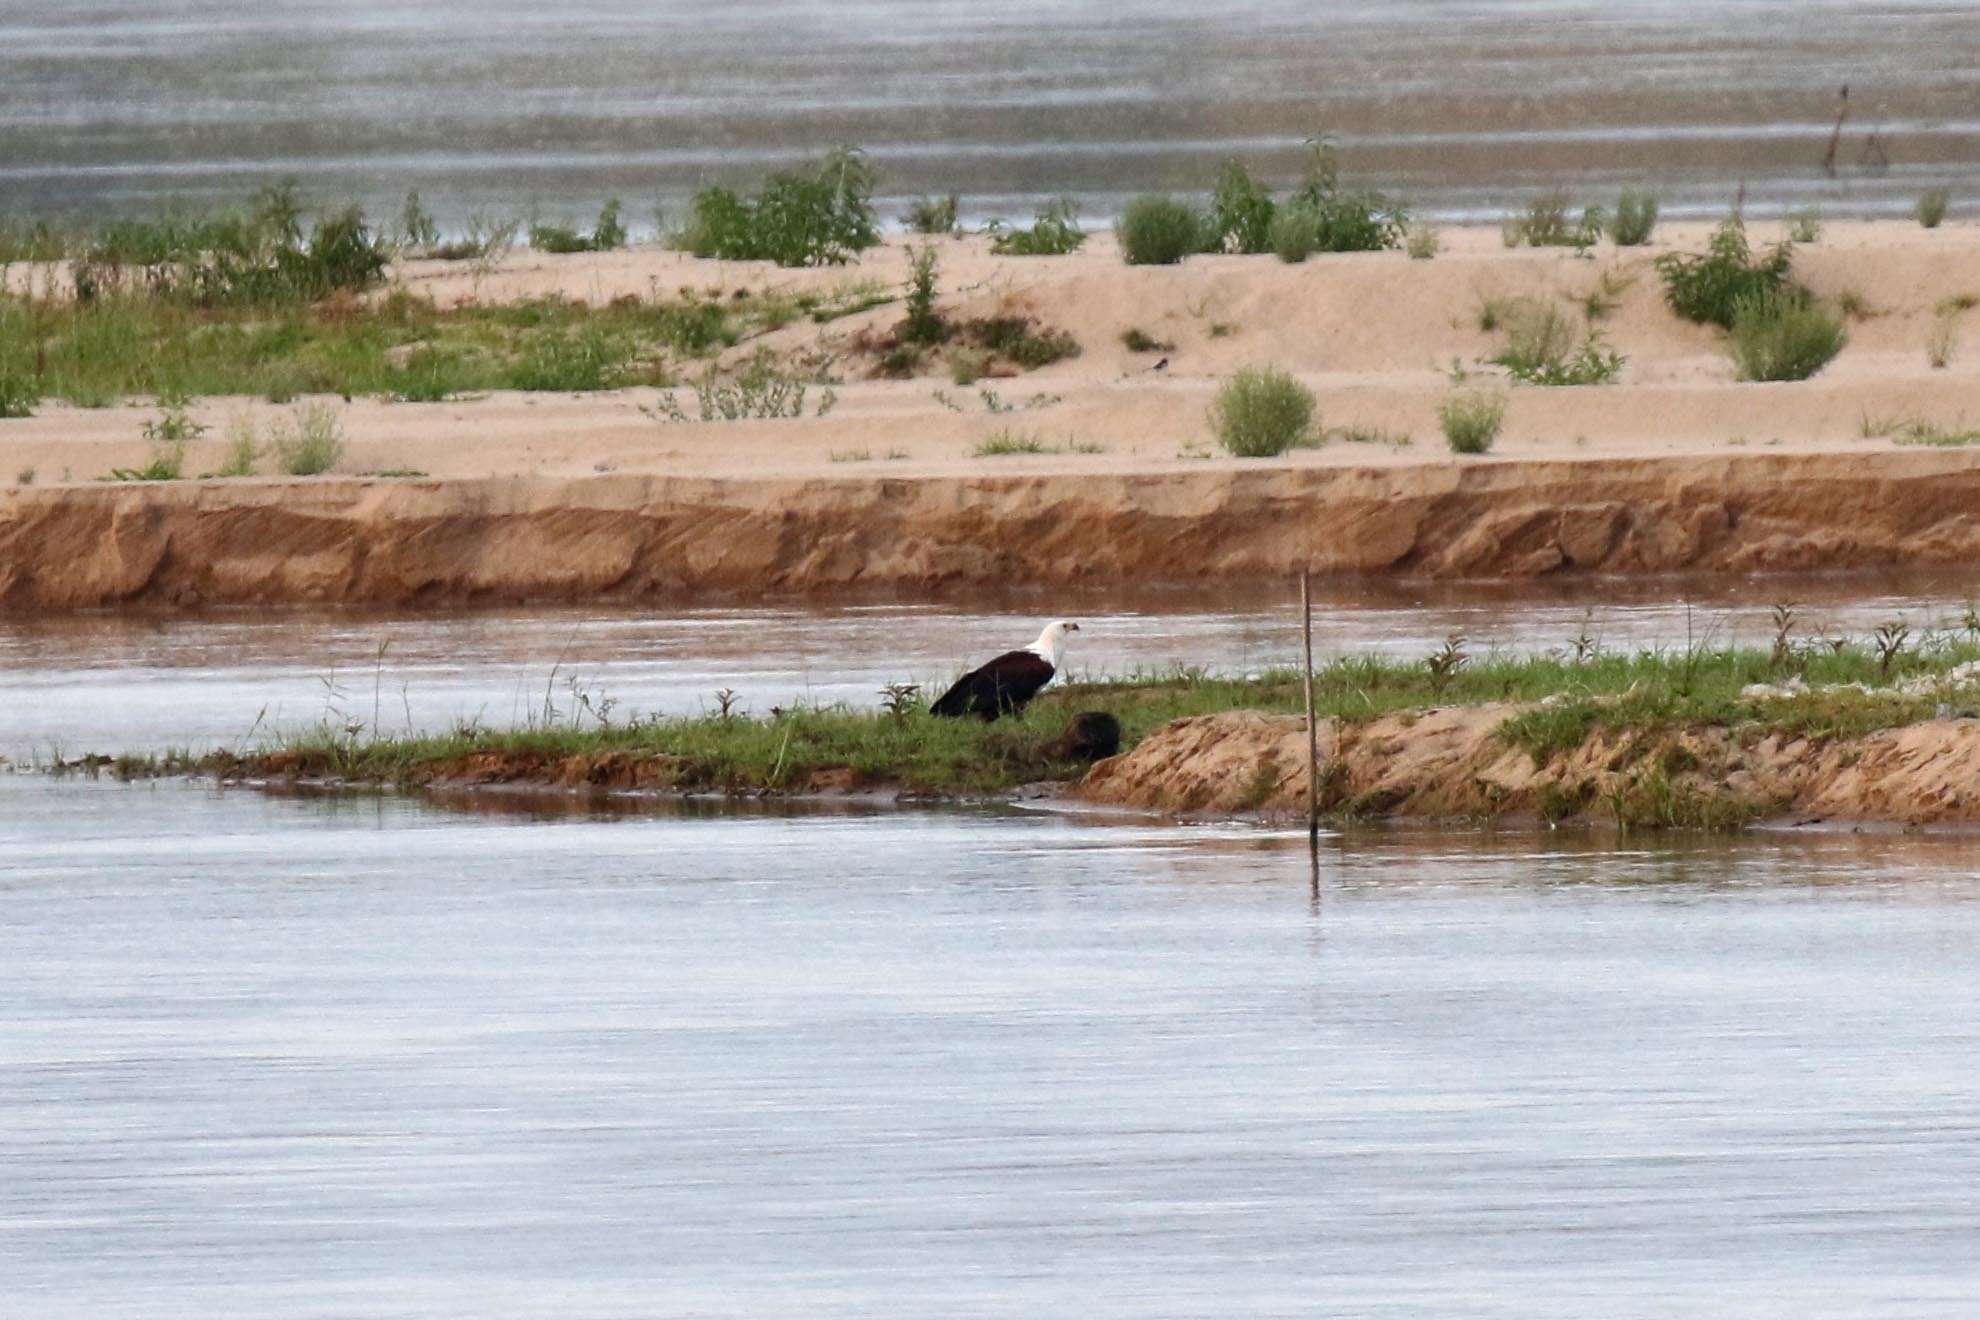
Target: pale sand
1373, 334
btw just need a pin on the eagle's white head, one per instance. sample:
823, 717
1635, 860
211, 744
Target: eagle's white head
1052, 641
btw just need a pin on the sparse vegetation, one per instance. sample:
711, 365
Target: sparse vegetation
1054, 232
1421, 242
418, 231
762, 390
1004, 443
309, 442
933, 215
1295, 233
168, 463
243, 448
1779, 336
1804, 226
1634, 220
1159, 231
1934, 435
1350, 219
1471, 420
1545, 223
1140, 341
924, 325
1241, 212
816, 217
1261, 413
1709, 288
1931, 208
606, 235
1539, 349
1941, 341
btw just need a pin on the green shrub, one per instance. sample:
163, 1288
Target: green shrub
1540, 349
168, 463
243, 448
1260, 413
567, 362
924, 325
19, 396
1783, 336
1708, 288
310, 443
1241, 212
1159, 231
818, 217
1635, 219
1804, 227
1931, 208
1350, 220
1471, 420
1054, 232
932, 215
1023, 342
1545, 223
607, 234
417, 229
1295, 232
1138, 340
1421, 242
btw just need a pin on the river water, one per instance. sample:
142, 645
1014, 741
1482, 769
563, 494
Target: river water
500, 106
334, 1057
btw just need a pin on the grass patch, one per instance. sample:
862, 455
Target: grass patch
1261, 413
1159, 231
1241, 212
1003, 444
1138, 340
1931, 208
1471, 420
1804, 227
1934, 435
606, 235
309, 442
933, 215
1054, 232
1546, 223
1779, 336
1634, 220
1539, 348
1421, 242
1647, 699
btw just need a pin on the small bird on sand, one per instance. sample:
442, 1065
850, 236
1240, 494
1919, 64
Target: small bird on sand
1006, 684
1161, 364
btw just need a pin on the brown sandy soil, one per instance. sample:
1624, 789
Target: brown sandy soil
555, 496
1449, 764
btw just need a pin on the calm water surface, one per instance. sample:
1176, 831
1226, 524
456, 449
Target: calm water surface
366, 1057
498, 105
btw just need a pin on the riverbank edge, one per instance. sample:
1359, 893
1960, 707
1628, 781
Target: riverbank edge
457, 543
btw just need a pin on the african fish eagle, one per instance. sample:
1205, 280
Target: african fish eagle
1008, 682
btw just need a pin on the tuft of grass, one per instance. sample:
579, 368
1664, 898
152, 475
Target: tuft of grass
1373, 435
762, 390
933, 215
309, 442
1261, 413
1054, 232
1159, 231
924, 325
25, 477
1804, 226
1941, 341
812, 217
1021, 340
1471, 420
1931, 208
243, 448
1539, 349
168, 463
1295, 233
1138, 340
1004, 443
19, 395
418, 232
1935, 436
1545, 223
1421, 242
1852, 304
1780, 336
1709, 287
609, 233
1634, 220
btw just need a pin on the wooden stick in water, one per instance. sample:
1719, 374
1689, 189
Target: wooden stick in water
1312, 726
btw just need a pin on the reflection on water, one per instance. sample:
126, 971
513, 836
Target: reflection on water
491, 105
362, 1057
119, 682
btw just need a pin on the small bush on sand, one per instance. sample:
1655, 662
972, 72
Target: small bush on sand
1241, 212
168, 463
243, 448
932, 215
1138, 340
1804, 227
1941, 341
1931, 209
18, 393
1545, 223
1540, 348
1421, 242
1159, 231
1708, 288
1635, 218
1471, 420
1350, 219
1295, 232
815, 217
924, 325
1260, 413
1783, 336
1054, 232
310, 442
418, 232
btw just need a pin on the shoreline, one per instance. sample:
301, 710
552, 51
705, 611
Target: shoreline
428, 542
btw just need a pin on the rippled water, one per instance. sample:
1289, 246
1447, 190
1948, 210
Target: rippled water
1461, 106
121, 682
343, 1057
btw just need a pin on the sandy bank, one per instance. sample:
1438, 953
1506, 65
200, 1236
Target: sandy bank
350, 541
1450, 764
